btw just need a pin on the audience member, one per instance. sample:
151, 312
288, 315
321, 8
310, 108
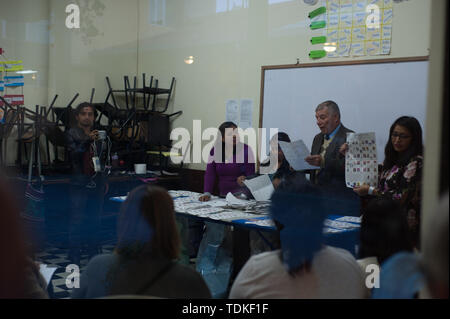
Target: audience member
19, 275
384, 230
434, 262
144, 261
303, 267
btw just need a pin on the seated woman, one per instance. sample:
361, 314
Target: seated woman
283, 169
303, 267
230, 160
401, 174
144, 260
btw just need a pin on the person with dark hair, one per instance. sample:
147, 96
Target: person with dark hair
434, 260
384, 230
144, 260
304, 267
325, 148
87, 184
401, 174
19, 274
230, 162
283, 168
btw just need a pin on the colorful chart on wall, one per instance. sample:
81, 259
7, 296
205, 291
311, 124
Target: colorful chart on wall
355, 27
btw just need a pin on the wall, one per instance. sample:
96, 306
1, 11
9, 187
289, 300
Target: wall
24, 36
105, 45
230, 47
229, 39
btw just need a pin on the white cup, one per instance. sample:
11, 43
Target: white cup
140, 169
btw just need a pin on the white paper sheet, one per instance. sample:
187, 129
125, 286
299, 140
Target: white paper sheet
295, 153
47, 272
232, 111
261, 187
361, 164
232, 200
246, 114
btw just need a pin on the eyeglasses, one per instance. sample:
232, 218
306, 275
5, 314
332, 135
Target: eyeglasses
400, 136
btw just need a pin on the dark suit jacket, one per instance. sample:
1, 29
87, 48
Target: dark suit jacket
334, 170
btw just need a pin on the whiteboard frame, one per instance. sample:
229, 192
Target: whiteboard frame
321, 64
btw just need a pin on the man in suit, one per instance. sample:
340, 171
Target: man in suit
325, 148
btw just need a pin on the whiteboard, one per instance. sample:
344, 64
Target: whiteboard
370, 96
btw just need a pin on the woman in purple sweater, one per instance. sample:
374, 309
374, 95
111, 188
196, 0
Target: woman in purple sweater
230, 161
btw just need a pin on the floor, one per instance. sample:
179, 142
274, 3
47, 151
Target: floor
57, 257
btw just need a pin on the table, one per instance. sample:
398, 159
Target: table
340, 231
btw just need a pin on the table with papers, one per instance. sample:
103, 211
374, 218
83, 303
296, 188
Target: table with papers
340, 231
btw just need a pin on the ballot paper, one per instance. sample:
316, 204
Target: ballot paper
295, 153
361, 164
349, 219
47, 272
233, 201
261, 187
339, 225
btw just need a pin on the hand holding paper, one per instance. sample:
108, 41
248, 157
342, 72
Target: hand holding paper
295, 153
261, 187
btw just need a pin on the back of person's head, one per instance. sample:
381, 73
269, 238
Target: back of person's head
282, 137
391, 157
12, 247
147, 225
384, 230
298, 213
435, 250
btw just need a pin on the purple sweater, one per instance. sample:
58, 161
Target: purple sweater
228, 172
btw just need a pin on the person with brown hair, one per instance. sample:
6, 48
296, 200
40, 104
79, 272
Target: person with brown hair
19, 274
144, 260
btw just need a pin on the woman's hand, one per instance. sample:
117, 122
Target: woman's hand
362, 190
205, 198
343, 149
240, 180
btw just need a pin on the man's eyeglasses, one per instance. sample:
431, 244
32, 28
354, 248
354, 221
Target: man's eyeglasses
400, 136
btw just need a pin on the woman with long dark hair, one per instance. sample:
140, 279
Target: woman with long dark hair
401, 174
230, 162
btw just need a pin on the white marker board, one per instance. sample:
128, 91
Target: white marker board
371, 95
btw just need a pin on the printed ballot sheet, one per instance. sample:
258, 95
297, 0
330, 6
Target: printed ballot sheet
361, 164
261, 187
295, 153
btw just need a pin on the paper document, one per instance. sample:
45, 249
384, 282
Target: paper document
232, 111
232, 200
261, 187
361, 164
47, 272
295, 153
246, 114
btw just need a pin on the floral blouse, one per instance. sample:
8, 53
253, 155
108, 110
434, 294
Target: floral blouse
404, 184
